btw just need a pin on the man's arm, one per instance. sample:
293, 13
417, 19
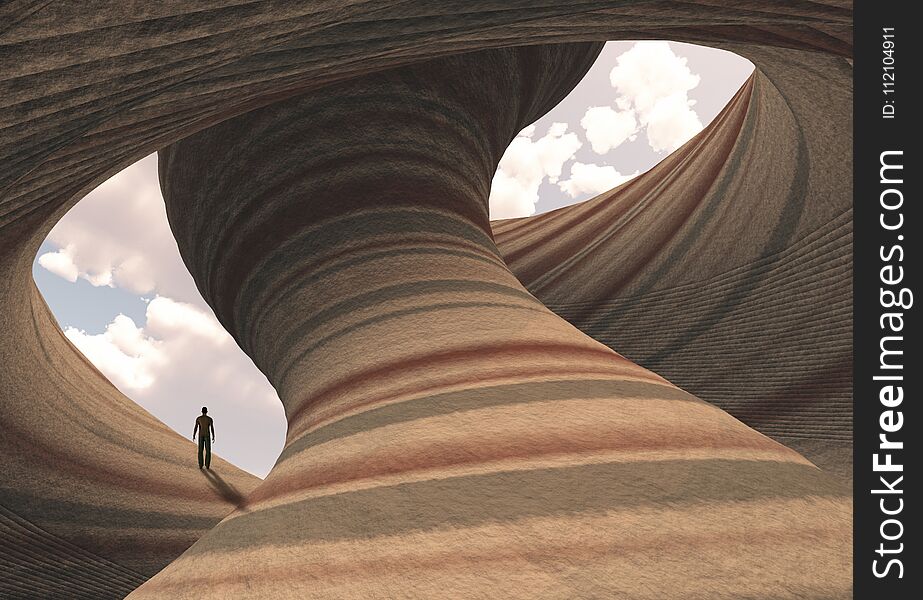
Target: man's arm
195, 429
211, 425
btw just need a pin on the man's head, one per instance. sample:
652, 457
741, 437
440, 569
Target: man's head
204, 409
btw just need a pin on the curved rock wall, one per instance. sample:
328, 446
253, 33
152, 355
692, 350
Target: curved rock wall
728, 267
95, 495
448, 433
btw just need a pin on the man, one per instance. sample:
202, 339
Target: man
204, 425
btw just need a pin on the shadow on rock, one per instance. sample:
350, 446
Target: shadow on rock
227, 491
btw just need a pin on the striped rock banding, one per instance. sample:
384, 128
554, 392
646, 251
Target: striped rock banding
445, 428
101, 497
96, 495
733, 282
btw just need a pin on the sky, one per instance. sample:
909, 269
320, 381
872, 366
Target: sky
112, 275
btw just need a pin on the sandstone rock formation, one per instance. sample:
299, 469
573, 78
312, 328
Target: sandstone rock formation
448, 434
727, 269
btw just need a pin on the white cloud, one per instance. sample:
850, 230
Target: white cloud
651, 71
510, 197
592, 179
123, 353
607, 129
61, 263
178, 341
118, 236
176, 337
556, 130
652, 85
671, 123
167, 317
523, 167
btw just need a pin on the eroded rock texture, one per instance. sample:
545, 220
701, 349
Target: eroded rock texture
727, 268
449, 436
96, 495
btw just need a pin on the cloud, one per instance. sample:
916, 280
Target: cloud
169, 318
118, 236
123, 353
134, 358
607, 129
653, 85
61, 263
592, 179
525, 165
671, 123
182, 358
648, 72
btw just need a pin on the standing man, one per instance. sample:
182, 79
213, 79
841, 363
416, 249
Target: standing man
204, 425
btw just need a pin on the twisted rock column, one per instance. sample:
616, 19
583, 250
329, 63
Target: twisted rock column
448, 435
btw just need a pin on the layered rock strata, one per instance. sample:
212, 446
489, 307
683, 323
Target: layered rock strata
448, 434
94, 493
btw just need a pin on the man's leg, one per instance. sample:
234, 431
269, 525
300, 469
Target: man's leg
208, 452
202, 441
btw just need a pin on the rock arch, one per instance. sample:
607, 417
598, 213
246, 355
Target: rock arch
87, 93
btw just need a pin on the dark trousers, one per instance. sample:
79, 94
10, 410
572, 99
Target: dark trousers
205, 445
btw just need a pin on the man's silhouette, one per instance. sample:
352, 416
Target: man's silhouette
204, 425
